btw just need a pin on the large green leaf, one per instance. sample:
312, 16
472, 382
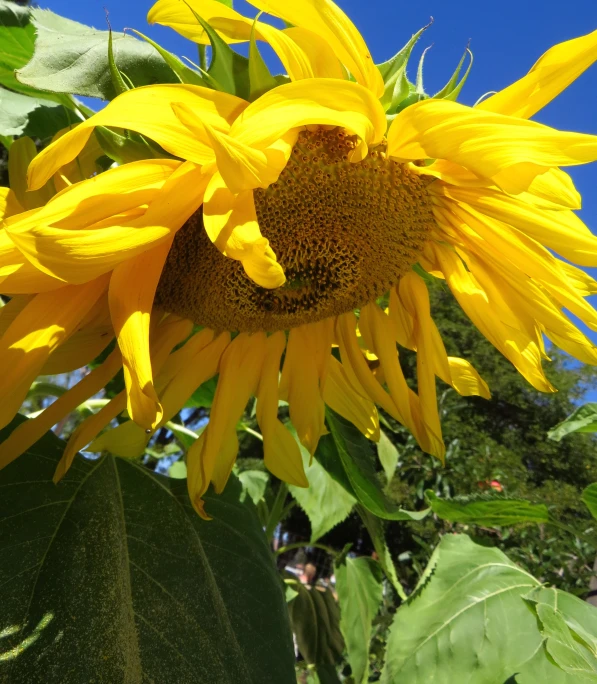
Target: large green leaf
569, 627
73, 58
111, 576
468, 621
584, 419
17, 37
496, 512
325, 502
348, 456
359, 587
38, 117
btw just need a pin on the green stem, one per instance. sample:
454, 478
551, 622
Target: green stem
202, 57
276, 510
302, 544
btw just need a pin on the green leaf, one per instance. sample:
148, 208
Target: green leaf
348, 456
492, 513
178, 470
376, 531
359, 587
325, 502
38, 117
589, 497
254, 484
583, 419
387, 454
315, 621
204, 395
228, 71
111, 576
468, 621
73, 58
564, 646
184, 73
17, 38
260, 78
393, 72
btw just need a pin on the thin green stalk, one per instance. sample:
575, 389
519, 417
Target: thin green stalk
302, 544
202, 57
276, 510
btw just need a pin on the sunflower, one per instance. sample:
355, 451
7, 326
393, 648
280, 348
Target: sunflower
287, 245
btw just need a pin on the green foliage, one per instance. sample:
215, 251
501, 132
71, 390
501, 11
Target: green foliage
489, 512
112, 576
38, 117
73, 58
589, 497
583, 419
315, 622
348, 456
325, 501
468, 621
359, 587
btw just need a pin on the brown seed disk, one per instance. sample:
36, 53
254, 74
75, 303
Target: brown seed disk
343, 232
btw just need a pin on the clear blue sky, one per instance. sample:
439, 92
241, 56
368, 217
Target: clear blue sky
506, 38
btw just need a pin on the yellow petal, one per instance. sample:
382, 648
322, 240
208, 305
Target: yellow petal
43, 324
561, 231
9, 204
132, 291
300, 383
19, 276
21, 152
281, 453
233, 28
168, 333
231, 223
76, 254
516, 344
231, 25
327, 20
552, 73
325, 101
240, 369
241, 166
465, 379
26, 434
147, 110
341, 397
91, 337
320, 53
511, 152
83, 167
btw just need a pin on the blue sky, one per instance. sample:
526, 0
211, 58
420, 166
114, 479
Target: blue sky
506, 38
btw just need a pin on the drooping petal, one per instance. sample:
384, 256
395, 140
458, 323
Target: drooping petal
322, 58
552, 73
517, 344
511, 152
77, 254
212, 457
329, 22
168, 333
38, 329
281, 453
132, 291
303, 379
324, 101
147, 110
341, 397
29, 432
242, 167
561, 231
231, 223
9, 204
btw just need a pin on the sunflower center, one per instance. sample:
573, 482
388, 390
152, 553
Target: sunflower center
343, 232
